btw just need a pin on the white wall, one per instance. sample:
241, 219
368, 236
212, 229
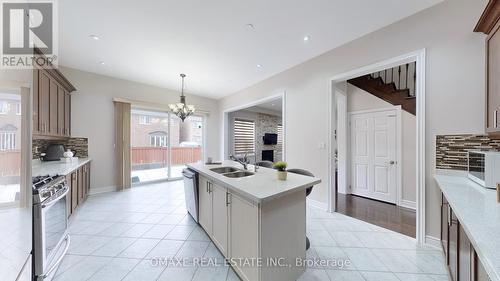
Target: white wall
358, 99
92, 116
454, 87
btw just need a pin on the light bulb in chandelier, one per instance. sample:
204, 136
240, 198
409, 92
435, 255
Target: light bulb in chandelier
180, 109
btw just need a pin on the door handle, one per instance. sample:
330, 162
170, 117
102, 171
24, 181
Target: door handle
392, 162
495, 119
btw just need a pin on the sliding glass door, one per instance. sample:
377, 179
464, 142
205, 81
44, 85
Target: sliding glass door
161, 144
187, 144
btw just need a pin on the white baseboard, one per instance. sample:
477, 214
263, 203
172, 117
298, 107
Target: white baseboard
99, 190
408, 204
316, 204
433, 242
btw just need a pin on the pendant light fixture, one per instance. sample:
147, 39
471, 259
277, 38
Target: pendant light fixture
181, 109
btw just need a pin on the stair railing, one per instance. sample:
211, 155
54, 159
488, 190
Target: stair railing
403, 76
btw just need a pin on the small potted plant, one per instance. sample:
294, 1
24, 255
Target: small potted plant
281, 167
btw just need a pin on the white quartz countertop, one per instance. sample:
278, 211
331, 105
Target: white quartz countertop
261, 187
479, 214
52, 168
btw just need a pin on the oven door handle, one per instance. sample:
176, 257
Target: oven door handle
59, 260
52, 202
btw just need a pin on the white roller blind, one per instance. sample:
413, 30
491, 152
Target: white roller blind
280, 137
244, 136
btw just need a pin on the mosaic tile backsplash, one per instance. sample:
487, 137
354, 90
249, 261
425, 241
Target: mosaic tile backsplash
79, 146
451, 150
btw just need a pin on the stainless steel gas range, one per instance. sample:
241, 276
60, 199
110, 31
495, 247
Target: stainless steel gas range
50, 224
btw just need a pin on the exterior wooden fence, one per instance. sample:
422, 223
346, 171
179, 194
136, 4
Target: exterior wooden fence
159, 155
10, 163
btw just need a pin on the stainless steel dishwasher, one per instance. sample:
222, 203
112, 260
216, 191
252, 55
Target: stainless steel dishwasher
191, 192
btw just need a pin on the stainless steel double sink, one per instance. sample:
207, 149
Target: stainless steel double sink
231, 172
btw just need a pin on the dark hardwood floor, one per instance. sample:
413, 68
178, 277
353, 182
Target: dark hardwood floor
379, 213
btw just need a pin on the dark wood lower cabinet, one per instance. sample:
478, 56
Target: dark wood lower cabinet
461, 258
479, 273
453, 246
445, 220
69, 196
79, 184
465, 256
74, 191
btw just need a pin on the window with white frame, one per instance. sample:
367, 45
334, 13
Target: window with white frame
145, 119
7, 140
158, 139
4, 107
244, 137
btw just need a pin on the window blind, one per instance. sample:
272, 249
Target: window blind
279, 145
244, 137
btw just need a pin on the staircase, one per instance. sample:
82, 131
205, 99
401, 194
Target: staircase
394, 85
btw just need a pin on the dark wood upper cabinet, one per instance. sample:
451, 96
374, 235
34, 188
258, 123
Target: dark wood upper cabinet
51, 104
67, 114
53, 108
43, 103
36, 117
61, 126
489, 24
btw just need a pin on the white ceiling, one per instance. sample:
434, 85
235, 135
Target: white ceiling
273, 105
153, 41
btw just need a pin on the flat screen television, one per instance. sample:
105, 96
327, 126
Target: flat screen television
270, 138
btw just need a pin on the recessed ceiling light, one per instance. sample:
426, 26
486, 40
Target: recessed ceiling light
102, 63
306, 38
250, 26
95, 37
259, 65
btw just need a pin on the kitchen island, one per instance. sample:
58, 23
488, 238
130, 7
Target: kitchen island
257, 221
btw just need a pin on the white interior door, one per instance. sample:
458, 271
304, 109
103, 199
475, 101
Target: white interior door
374, 154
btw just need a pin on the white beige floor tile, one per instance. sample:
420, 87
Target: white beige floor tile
344, 275
84, 269
178, 273
312, 274
198, 234
114, 247
165, 249
115, 270
193, 249
364, 259
88, 244
116, 229
139, 248
216, 273
137, 230
158, 231
396, 261
144, 271
180, 232
379, 276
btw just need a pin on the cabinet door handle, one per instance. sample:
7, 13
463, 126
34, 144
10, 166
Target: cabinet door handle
228, 198
449, 215
495, 119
